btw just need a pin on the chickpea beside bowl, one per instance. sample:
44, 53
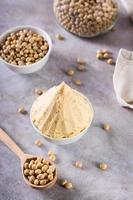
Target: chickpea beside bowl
25, 49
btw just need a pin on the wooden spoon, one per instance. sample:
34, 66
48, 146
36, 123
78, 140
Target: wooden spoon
23, 158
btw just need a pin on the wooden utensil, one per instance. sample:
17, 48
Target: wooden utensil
23, 158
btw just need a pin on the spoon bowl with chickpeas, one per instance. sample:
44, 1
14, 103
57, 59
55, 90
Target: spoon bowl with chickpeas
25, 49
37, 171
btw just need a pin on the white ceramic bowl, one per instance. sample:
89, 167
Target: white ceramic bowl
26, 69
64, 141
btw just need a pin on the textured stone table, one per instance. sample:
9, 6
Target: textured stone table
115, 148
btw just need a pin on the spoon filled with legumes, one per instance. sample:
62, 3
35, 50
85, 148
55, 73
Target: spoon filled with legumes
37, 171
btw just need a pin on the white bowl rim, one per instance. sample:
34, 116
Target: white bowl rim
83, 132
7, 32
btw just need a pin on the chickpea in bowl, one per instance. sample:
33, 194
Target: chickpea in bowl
25, 49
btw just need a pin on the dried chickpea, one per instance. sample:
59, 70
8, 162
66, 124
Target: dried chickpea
34, 167
38, 143
49, 171
110, 61
52, 168
31, 172
99, 55
32, 162
78, 82
30, 166
80, 61
22, 110
70, 72
38, 160
38, 171
44, 161
78, 164
52, 157
81, 67
50, 177
26, 165
59, 36
36, 182
106, 127
39, 91
106, 55
45, 175
50, 153
68, 185
103, 166
104, 51
44, 168
26, 172
31, 179
40, 176
43, 182
63, 182
39, 165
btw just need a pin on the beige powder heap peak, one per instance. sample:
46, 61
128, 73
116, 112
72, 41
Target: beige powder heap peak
61, 112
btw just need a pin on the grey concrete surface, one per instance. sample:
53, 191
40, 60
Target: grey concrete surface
115, 148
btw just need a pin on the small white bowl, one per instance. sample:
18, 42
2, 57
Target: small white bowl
63, 141
26, 69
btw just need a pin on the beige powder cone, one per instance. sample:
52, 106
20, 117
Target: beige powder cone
61, 112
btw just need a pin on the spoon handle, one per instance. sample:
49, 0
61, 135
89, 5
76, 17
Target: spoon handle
11, 144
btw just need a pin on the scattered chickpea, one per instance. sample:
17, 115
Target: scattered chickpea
104, 51
103, 166
50, 153
106, 55
80, 61
52, 157
70, 72
63, 182
110, 61
78, 164
22, 110
68, 185
99, 55
78, 82
106, 127
39, 91
59, 37
38, 142
81, 67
